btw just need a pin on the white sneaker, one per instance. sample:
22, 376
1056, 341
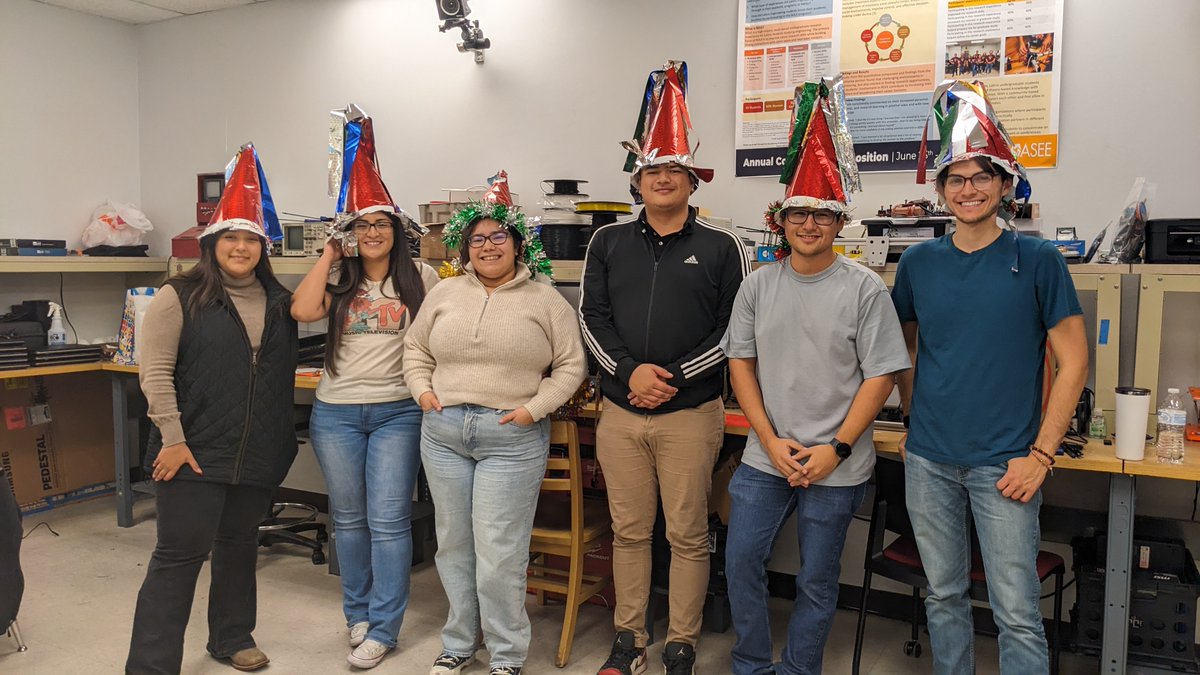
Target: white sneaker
358, 633
368, 654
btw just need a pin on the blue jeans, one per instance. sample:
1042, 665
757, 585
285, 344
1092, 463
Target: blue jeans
370, 456
761, 503
942, 499
485, 478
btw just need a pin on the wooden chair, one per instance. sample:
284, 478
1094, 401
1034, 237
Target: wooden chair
567, 532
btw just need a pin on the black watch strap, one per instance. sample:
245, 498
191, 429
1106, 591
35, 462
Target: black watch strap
843, 450
905, 421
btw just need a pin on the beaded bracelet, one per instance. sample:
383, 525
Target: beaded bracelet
1041, 456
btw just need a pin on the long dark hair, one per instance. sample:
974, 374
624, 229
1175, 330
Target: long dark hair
406, 282
205, 277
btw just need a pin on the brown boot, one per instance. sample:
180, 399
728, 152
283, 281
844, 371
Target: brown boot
250, 658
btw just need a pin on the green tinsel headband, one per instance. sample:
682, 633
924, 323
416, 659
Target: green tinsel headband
509, 217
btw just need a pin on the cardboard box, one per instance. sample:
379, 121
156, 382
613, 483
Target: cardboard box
432, 247
719, 501
438, 212
67, 456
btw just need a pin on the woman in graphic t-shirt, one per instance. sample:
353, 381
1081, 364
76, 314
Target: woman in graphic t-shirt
365, 426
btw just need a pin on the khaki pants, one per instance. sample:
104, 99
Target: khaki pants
643, 456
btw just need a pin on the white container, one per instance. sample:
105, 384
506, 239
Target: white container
1133, 407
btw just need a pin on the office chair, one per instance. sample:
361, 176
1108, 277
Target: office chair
901, 562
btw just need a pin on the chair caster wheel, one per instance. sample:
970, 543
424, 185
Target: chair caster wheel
318, 558
912, 648
322, 537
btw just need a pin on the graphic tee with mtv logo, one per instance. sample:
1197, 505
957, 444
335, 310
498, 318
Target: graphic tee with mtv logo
370, 354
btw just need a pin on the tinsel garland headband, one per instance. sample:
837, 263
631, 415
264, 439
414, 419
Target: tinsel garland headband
509, 217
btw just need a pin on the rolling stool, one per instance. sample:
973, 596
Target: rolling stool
284, 523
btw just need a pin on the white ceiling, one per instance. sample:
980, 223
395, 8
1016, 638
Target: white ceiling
146, 11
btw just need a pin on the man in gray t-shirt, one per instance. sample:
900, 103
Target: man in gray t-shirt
813, 345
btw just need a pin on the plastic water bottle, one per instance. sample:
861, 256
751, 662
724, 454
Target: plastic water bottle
1172, 417
1096, 425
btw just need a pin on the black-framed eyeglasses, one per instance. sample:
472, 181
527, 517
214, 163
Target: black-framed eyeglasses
981, 181
800, 216
362, 227
498, 238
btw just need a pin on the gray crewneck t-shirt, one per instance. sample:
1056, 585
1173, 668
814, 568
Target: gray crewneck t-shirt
816, 338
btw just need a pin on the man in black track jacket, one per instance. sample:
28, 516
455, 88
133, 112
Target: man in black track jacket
657, 292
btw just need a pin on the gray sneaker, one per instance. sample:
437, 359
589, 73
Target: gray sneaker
358, 633
368, 654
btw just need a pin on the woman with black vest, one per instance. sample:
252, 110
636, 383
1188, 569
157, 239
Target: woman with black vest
218, 362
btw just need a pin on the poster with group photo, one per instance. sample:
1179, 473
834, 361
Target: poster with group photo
892, 54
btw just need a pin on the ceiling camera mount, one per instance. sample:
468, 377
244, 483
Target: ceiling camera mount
453, 14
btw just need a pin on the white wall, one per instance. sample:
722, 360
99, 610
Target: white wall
560, 89
69, 118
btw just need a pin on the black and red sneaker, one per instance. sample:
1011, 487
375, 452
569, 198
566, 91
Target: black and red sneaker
625, 658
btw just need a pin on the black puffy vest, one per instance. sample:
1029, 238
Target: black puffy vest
236, 411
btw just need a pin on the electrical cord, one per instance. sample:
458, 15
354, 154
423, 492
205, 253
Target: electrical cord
35, 527
1073, 445
63, 304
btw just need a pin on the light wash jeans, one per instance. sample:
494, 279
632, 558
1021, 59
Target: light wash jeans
761, 503
485, 478
941, 500
370, 455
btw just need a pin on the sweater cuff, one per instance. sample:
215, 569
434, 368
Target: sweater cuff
171, 429
418, 388
537, 408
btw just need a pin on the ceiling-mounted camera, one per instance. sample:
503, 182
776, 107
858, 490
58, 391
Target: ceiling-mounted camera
453, 14
452, 9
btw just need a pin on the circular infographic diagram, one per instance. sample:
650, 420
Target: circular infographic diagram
881, 39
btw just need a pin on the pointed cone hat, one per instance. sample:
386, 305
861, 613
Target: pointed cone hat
968, 128
819, 169
663, 126
365, 191
241, 206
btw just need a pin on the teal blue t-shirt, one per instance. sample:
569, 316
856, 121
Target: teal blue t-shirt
981, 343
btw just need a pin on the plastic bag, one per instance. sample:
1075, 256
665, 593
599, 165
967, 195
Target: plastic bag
1131, 227
137, 301
116, 224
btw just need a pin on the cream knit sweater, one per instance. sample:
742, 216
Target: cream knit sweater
518, 347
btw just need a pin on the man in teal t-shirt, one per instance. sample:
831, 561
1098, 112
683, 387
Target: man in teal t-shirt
977, 308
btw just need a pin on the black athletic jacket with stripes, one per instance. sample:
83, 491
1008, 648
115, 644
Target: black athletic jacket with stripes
672, 313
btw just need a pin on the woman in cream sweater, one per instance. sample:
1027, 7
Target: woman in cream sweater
491, 354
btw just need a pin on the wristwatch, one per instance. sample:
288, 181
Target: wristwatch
843, 450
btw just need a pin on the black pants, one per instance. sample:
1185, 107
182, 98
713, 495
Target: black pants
194, 518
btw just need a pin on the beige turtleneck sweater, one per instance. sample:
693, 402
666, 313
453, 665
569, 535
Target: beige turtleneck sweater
159, 334
495, 351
